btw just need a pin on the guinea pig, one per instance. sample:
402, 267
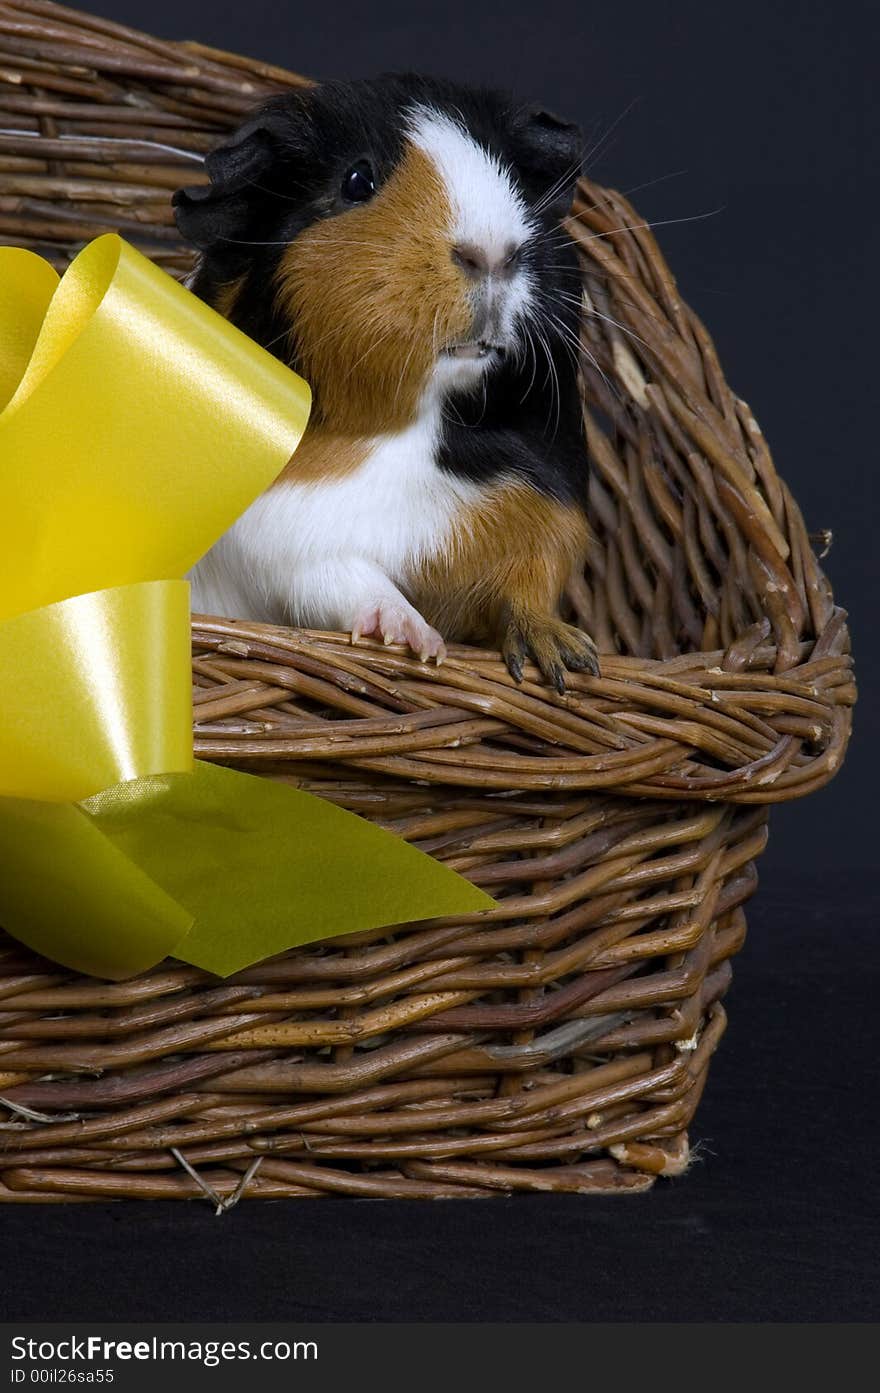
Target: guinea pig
399, 242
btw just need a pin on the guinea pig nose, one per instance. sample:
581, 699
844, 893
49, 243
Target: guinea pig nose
477, 262
472, 260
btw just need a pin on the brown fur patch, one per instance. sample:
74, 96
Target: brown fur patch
373, 293
323, 455
515, 549
225, 299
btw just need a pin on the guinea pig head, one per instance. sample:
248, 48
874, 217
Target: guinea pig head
391, 239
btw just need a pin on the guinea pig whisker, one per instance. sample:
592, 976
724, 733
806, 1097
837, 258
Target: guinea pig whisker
568, 295
613, 285
518, 350
597, 148
535, 351
555, 229
578, 348
632, 227
529, 345
649, 183
530, 340
572, 345
555, 189
572, 299
570, 340
459, 419
566, 336
556, 266
649, 226
378, 341
583, 162
367, 298
621, 300
542, 340
286, 242
381, 338
613, 390
557, 392
553, 236
551, 379
402, 377
286, 333
246, 242
609, 319
276, 193
193, 155
359, 242
592, 313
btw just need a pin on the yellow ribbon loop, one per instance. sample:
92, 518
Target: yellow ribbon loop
135, 426
96, 690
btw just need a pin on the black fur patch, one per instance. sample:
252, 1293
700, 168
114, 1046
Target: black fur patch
526, 418
284, 170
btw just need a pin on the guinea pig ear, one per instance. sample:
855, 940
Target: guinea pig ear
211, 214
555, 155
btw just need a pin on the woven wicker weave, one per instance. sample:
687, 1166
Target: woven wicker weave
561, 1042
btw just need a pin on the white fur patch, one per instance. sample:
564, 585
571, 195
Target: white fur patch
487, 210
314, 554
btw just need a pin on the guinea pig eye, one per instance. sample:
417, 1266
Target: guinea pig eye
359, 183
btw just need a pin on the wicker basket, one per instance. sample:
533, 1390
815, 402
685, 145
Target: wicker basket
562, 1042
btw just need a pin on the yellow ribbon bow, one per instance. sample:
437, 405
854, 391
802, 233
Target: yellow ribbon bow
135, 426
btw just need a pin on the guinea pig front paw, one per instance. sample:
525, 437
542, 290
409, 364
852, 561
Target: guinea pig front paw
555, 646
395, 621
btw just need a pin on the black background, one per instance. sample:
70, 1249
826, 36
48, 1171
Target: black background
764, 112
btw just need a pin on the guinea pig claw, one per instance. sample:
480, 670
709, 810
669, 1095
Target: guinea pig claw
513, 650
554, 646
394, 620
584, 658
